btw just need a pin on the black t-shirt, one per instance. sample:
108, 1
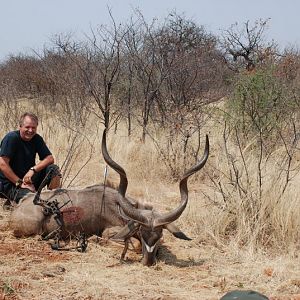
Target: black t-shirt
22, 153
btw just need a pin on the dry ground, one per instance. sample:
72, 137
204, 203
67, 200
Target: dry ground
29, 269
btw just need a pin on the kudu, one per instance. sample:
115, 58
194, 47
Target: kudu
93, 209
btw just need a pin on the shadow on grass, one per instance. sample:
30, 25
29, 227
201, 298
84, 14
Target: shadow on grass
165, 255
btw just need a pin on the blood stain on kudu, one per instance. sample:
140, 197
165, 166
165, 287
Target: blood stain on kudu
72, 215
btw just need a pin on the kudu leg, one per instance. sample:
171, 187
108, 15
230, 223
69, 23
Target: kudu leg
126, 245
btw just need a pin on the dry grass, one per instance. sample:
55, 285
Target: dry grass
216, 261
186, 270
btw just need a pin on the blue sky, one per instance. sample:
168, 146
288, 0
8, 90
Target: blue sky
30, 24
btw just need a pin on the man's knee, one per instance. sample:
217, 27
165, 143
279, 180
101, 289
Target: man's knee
54, 178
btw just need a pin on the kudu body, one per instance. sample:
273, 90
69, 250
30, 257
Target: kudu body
93, 209
90, 210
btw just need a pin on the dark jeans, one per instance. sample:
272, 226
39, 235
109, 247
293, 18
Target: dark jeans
39, 180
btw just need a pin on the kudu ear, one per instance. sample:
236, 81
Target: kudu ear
176, 232
126, 232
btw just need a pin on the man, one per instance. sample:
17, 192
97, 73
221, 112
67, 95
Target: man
19, 172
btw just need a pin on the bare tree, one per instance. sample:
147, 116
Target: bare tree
194, 70
149, 73
98, 62
246, 46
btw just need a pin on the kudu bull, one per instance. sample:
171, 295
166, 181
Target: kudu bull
93, 209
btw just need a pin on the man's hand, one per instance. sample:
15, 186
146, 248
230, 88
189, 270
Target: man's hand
29, 186
27, 177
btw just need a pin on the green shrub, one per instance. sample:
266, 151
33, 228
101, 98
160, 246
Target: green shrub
261, 106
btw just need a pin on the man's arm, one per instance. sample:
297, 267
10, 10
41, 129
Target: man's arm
48, 160
7, 170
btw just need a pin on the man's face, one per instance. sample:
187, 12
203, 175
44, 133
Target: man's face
28, 129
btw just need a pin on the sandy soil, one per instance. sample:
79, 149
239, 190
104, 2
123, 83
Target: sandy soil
29, 269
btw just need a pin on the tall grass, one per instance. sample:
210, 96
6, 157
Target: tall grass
250, 206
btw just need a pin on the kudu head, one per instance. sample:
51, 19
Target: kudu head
149, 224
